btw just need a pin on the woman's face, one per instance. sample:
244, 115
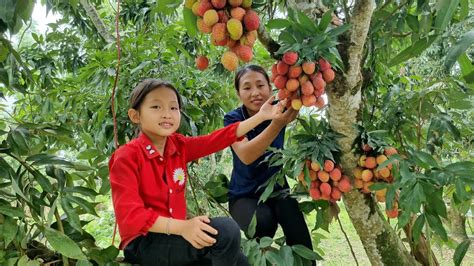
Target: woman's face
253, 91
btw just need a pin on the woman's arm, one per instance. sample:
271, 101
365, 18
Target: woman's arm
249, 151
197, 147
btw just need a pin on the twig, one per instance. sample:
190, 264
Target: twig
117, 70
23, 34
201, 186
114, 115
61, 229
347, 239
194, 195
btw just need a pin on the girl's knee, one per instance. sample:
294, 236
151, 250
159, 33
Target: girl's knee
226, 227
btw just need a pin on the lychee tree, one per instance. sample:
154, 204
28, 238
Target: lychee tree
381, 37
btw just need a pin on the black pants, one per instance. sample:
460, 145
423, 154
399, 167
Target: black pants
167, 250
274, 211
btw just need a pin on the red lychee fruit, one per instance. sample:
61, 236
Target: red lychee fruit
202, 62
290, 58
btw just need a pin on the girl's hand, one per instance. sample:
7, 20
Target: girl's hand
269, 111
195, 232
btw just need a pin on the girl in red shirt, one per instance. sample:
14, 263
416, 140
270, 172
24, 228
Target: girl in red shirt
148, 180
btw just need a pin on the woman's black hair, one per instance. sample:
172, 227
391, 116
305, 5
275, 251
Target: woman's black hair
145, 87
246, 69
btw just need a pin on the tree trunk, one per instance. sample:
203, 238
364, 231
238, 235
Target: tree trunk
457, 223
381, 242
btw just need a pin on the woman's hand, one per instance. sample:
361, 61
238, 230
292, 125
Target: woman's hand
195, 232
287, 116
269, 111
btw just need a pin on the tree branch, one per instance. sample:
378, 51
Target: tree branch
362, 15
98, 23
264, 37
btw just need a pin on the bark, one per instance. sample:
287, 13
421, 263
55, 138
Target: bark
266, 40
421, 250
457, 223
98, 23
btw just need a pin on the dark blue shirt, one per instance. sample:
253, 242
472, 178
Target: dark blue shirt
246, 179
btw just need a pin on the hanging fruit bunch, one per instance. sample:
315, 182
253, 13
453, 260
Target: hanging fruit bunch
311, 157
230, 23
306, 58
302, 81
374, 168
327, 182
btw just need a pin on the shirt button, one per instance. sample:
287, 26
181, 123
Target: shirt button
171, 210
161, 158
171, 191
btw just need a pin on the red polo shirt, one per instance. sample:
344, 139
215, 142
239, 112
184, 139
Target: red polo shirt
140, 193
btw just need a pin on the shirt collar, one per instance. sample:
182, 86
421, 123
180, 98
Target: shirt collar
151, 152
245, 113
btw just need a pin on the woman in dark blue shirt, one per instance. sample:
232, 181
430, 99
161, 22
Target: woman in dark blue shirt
249, 171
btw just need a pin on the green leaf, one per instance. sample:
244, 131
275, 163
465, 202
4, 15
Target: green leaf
278, 23
305, 252
63, 244
464, 10
43, 158
414, 50
252, 226
459, 48
25, 261
287, 255
445, 11
461, 250
73, 217
81, 190
88, 154
307, 23
83, 263
435, 222
11, 211
426, 159
24, 9
43, 181
190, 22
104, 256
418, 227
273, 257
7, 11
265, 242
84, 204
325, 20
412, 22
461, 168
10, 228
17, 138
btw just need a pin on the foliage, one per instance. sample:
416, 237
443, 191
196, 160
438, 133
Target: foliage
311, 40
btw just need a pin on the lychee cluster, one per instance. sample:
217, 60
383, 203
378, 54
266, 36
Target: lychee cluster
327, 182
231, 23
303, 83
366, 174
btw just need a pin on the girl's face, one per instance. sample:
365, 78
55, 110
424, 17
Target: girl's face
159, 114
253, 91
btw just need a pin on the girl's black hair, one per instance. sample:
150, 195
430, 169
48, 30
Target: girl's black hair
145, 87
246, 69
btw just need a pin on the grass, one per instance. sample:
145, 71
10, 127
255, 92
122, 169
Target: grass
337, 252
